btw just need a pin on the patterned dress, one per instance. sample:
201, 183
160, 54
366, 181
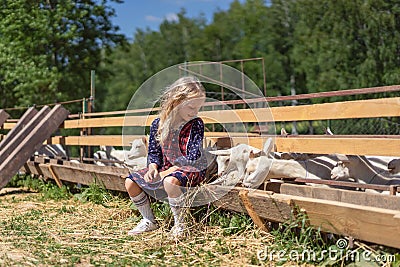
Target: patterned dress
183, 148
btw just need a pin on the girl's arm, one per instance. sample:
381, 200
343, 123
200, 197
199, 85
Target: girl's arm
154, 154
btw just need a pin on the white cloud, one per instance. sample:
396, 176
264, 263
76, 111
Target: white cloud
171, 17
153, 18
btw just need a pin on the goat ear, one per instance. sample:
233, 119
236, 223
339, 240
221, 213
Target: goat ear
144, 139
252, 155
342, 158
224, 152
268, 146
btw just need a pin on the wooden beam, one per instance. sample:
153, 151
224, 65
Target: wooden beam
335, 194
94, 140
31, 143
371, 224
110, 177
243, 194
27, 120
313, 144
23, 129
54, 175
372, 108
327, 145
347, 146
3, 116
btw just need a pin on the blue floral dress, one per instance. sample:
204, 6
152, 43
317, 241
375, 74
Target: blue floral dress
183, 148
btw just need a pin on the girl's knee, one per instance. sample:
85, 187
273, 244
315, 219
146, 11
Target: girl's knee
172, 186
170, 180
131, 187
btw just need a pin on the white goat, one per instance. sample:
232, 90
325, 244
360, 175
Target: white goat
263, 168
100, 155
138, 149
365, 170
52, 150
394, 166
234, 158
136, 163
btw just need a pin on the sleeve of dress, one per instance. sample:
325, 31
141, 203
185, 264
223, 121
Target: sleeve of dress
154, 154
194, 146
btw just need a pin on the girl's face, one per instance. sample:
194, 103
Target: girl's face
189, 109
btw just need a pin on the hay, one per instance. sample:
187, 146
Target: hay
69, 232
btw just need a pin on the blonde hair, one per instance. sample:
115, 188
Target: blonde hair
184, 88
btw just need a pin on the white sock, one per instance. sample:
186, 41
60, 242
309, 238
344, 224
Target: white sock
176, 210
142, 203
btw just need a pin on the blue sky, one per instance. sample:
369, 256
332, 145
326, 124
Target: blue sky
135, 14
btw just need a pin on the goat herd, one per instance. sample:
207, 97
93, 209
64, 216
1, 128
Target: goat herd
251, 167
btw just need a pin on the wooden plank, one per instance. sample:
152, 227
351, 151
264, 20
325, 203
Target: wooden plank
75, 174
26, 119
243, 194
82, 169
268, 207
372, 108
109, 122
3, 116
54, 175
377, 225
23, 129
113, 140
94, 140
31, 143
347, 146
327, 145
335, 194
380, 226
313, 144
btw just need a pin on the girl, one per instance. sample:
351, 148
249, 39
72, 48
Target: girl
174, 157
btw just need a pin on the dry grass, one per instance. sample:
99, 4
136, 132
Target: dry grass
68, 232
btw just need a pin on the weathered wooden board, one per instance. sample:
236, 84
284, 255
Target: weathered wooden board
111, 177
372, 108
27, 120
30, 143
326, 145
23, 129
377, 225
335, 194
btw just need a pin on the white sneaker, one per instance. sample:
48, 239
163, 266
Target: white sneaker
178, 231
143, 226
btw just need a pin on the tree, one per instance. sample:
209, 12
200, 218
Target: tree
47, 48
348, 44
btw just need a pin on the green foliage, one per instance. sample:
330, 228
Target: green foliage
48, 189
95, 193
231, 222
47, 49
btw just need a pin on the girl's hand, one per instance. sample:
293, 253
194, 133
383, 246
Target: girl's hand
152, 174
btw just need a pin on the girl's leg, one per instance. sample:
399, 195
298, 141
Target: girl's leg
141, 201
172, 187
